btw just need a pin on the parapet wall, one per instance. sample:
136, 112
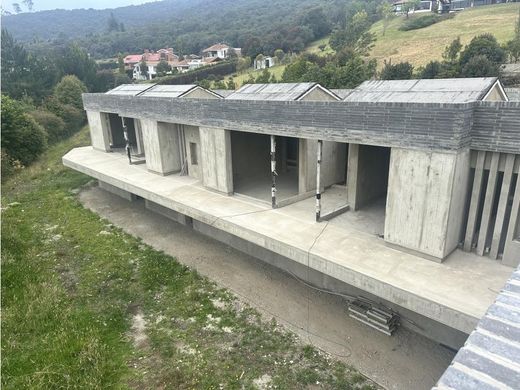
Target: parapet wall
478, 125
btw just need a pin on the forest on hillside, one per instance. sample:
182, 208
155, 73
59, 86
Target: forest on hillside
257, 26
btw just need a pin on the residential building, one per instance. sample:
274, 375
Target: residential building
220, 50
405, 193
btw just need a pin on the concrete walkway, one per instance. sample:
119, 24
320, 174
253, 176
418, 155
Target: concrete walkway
455, 293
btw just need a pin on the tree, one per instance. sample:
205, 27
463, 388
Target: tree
112, 23
74, 60
243, 63
452, 51
279, 54
231, 84
121, 63
480, 66
316, 20
144, 68
259, 58
399, 71
69, 90
386, 11
410, 5
122, 79
513, 46
432, 70
485, 45
163, 67
22, 138
355, 35
25, 74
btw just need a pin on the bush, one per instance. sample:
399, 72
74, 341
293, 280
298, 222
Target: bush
22, 138
73, 117
7, 165
53, 125
418, 22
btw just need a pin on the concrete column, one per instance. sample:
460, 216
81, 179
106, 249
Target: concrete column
307, 149
426, 200
161, 146
512, 247
217, 169
99, 130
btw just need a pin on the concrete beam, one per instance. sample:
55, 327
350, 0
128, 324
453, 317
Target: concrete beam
512, 248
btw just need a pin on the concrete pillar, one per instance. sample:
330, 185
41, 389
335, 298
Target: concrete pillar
333, 164
217, 169
307, 149
426, 200
161, 146
99, 130
511, 254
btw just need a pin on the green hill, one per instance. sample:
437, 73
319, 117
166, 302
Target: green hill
426, 44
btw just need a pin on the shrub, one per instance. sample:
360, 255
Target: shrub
423, 21
73, 117
22, 138
7, 165
222, 69
53, 124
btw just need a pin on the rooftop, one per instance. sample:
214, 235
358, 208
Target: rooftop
489, 359
274, 92
458, 90
130, 89
218, 46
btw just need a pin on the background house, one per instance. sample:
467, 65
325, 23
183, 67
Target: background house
220, 50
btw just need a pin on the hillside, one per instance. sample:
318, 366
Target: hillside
426, 44
185, 25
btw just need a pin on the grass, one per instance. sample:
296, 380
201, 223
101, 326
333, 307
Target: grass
426, 44
240, 78
314, 47
86, 305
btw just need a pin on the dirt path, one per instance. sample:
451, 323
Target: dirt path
404, 361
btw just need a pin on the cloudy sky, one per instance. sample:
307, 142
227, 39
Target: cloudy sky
41, 5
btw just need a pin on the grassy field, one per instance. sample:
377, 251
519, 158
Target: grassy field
240, 78
87, 306
426, 44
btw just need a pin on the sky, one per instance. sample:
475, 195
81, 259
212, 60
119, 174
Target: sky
42, 5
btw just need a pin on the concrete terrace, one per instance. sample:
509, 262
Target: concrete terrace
456, 293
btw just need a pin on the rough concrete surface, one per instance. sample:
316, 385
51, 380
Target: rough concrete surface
404, 361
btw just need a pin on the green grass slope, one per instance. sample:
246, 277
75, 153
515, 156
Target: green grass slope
73, 285
426, 44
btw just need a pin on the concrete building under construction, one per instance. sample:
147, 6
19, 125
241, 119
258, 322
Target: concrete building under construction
405, 193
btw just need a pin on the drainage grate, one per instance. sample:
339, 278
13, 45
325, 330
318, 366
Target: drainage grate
382, 320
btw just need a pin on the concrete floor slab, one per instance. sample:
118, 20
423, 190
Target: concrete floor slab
455, 293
